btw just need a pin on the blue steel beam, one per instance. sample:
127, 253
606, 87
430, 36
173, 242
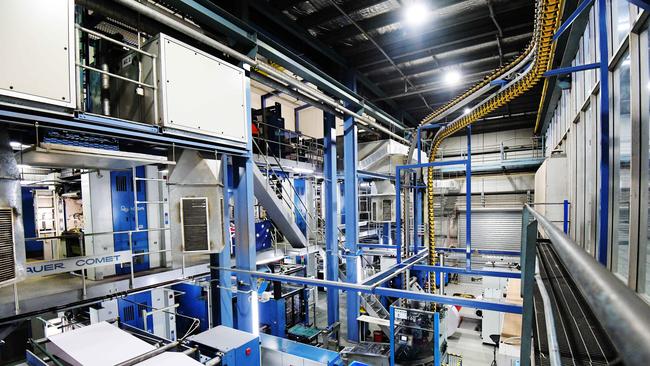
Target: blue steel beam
331, 223
513, 253
222, 303
115, 128
572, 69
351, 206
643, 4
468, 201
245, 233
576, 13
603, 227
442, 269
382, 291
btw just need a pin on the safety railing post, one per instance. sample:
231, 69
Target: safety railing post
528, 241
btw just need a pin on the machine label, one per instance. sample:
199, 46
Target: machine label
401, 314
44, 268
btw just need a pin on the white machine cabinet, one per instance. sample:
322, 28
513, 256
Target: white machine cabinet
37, 51
199, 92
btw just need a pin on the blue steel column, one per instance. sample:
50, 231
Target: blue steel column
245, 229
351, 207
221, 295
468, 202
331, 232
603, 224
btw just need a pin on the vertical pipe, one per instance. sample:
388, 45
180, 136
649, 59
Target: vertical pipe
436, 339
245, 233
392, 335
419, 143
468, 202
220, 284
351, 208
331, 232
603, 224
565, 221
398, 213
529, 237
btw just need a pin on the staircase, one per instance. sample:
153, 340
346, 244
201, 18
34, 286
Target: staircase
282, 218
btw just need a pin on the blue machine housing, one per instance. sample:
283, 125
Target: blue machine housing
192, 303
130, 310
238, 347
124, 208
272, 313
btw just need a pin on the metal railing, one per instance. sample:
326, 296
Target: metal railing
621, 312
290, 145
139, 82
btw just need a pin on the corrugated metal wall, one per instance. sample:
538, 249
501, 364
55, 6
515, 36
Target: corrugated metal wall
492, 228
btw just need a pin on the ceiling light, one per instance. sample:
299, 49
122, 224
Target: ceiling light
453, 77
466, 110
416, 13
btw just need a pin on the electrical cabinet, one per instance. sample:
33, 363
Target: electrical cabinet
38, 51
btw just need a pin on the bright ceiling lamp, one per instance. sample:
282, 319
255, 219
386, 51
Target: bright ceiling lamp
466, 110
453, 77
416, 13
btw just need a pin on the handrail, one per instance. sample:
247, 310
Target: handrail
620, 311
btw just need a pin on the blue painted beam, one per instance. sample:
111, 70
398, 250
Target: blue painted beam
643, 4
458, 270
245, 234
468, 201
331, 216
571, 69
603, 227
449, 300
576, 13
223, 294
351, 207
513, 253
377, 246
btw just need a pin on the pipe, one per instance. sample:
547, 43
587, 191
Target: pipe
620, 311
263, 67
551, 334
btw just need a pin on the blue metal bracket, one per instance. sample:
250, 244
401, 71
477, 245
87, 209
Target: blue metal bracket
576, 13
441, 269
498, 82
571, 69
643, 4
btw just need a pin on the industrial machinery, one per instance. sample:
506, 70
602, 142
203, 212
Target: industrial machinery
233, 347
419, 332
284, 310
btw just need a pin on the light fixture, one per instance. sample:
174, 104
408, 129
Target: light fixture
466, 110
453, 77
15, 144
416, 13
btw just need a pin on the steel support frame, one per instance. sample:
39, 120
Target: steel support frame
245, 253
331, 216
463, 271
351, 207
603, 221
221, 283
602, 250
528, 256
